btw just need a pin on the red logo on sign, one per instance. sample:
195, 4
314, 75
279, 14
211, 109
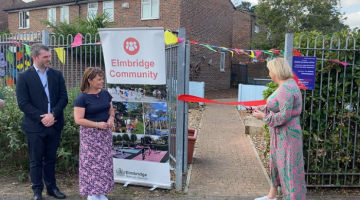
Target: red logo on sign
131, 46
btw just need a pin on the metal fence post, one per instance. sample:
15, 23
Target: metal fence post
45, 39
180, 112
289, 45
186, 109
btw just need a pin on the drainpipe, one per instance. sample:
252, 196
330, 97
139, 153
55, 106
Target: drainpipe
77, 3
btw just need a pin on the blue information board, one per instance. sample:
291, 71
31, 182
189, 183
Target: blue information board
304, 70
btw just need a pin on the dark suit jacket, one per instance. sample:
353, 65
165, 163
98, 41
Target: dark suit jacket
32, 99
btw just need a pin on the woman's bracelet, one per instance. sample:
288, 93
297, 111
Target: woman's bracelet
96, 125
112, 116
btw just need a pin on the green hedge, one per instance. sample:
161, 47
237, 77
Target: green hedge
13, 145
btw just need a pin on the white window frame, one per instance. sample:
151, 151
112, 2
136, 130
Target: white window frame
51, 15
92, 9
149, 2
22, 20
222, 61
64, 11
109, 7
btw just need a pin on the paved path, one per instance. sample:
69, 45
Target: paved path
225, 163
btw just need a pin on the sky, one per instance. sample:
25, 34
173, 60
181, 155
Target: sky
350, 7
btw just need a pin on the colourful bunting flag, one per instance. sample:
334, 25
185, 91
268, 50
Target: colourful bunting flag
180, 40
170, 38
61, 54
193, 42
343, 63
252, 54
207, 46
77, 40
257, 53
232, 53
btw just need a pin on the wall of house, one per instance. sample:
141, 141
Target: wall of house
4, 24
243, 31
208, 22
169, 16
37, 18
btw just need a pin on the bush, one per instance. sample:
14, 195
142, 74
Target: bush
13, 144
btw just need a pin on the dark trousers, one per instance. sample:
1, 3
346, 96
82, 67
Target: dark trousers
42, 148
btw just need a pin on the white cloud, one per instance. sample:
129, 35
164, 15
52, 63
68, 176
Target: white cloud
348, 3
353, 19
237, 2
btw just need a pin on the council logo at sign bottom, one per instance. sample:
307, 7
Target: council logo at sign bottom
120, 172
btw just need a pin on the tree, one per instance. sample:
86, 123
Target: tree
291, 16
160, 113
148, 108
246, 6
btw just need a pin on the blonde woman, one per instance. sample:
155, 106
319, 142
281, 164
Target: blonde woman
282, 114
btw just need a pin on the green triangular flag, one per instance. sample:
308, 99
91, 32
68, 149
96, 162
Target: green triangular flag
207, 46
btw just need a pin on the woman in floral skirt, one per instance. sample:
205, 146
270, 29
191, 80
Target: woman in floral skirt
94, 113
282, 114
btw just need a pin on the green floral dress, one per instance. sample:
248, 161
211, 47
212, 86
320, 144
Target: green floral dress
282, 114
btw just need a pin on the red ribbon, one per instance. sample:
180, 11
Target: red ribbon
190, 98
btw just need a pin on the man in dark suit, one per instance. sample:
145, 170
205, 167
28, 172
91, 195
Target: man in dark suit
42, 96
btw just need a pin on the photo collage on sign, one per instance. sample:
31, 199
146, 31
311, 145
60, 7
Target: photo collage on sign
140, 130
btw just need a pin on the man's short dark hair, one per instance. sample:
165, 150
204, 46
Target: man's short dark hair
35, 49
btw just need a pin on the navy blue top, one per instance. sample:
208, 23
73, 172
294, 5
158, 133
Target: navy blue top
96, 106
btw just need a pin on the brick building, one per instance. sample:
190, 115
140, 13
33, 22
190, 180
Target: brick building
4, 15
215, 22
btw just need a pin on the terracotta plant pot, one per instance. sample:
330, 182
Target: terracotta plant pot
192, 136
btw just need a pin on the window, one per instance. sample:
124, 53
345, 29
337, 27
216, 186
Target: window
108, 8
92, 10
150, 9
222, 61
256, 29
24, 21
51, 16
64, 14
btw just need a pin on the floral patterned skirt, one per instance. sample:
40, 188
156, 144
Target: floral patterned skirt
96, 173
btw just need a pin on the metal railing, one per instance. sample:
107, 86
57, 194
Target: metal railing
330, 112
89, 54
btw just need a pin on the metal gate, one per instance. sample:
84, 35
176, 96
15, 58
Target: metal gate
239, 74
89, 54
330, 112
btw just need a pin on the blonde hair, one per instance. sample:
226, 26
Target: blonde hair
281, 68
